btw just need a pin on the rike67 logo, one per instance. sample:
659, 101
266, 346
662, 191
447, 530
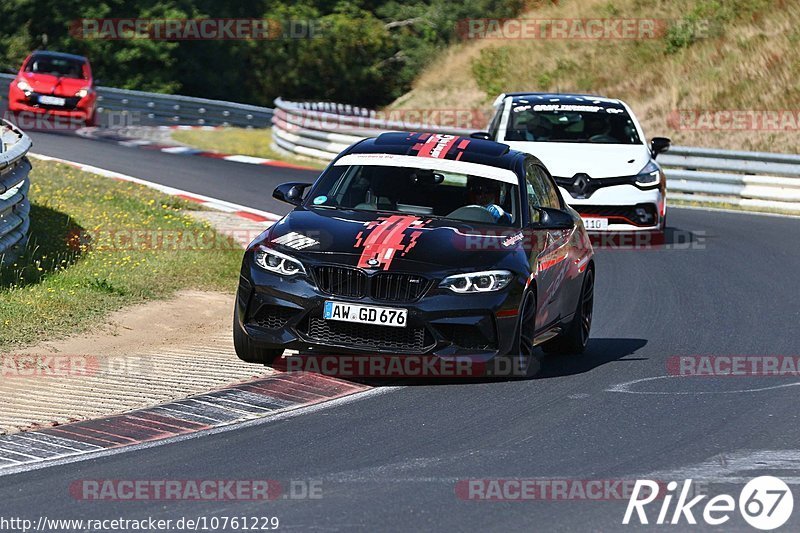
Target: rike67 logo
765, 503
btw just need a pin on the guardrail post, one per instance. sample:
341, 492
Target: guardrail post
14, 187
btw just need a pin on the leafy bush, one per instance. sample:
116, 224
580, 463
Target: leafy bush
490, 69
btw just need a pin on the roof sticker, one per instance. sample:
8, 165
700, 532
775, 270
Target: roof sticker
437, 146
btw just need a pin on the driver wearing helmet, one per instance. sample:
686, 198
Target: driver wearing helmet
488, 194
595, 126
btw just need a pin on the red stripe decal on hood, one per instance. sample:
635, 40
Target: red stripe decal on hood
386, 237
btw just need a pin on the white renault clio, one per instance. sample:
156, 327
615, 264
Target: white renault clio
597, 152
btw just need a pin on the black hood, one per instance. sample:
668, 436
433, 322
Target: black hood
391, 241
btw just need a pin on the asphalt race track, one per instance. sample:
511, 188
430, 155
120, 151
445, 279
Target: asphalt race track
392, 461
241, 183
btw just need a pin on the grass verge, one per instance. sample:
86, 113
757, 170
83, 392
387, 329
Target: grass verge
98, 245
242, 141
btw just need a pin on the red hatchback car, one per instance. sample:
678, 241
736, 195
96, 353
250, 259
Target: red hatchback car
56, 85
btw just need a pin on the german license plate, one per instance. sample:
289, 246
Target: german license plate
595, 223
365, 314
52, 100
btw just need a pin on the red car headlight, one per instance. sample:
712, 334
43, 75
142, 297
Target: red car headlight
24, 86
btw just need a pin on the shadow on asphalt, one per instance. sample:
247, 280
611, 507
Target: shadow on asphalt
599, 352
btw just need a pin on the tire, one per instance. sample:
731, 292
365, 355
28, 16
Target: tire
661, 229
91, 121
660, 234
575, 338
524, 361
246, 350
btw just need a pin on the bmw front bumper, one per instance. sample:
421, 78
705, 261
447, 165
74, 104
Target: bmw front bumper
287, 312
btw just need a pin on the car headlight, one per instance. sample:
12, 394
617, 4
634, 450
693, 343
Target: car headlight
491, 280
24, 86
649, 174
279, 263
83, 92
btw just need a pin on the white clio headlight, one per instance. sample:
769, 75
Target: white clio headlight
279, 263
649, 174
83, 92
24, 86
491, 280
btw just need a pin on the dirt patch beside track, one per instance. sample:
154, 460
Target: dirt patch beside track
143, 356
190, 316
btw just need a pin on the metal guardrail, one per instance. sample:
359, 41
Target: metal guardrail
14, 185
755, 179
121, 107
321, 130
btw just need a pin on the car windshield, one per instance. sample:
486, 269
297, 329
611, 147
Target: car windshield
602, 124
56, 66
420, 190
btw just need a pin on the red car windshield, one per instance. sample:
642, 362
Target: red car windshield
57, 66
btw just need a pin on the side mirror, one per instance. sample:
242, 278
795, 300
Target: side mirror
550, 218
481, 135
659, 145
291, 193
